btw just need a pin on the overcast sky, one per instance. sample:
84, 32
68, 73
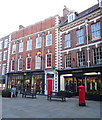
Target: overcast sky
26, 12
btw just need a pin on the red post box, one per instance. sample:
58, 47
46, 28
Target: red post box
82, 95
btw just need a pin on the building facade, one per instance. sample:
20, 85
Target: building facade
33, 56
4, 44
81, 36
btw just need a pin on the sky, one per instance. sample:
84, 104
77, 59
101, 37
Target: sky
26, 12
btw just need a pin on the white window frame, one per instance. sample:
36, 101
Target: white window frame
47, 39
67, 40
26, 63
11, 65
21, 47
51, 60
71, 17
19, 64
3, 69
1, 44
29, 45
38, 45
5, 55
5, 43
66, 61
0, 56
37, 62
13, 48
79, 41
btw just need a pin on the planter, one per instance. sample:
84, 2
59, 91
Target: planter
6, 94
94, 97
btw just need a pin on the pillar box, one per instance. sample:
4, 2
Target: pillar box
82, 95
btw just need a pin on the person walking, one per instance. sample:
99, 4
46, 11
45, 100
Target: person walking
13, 91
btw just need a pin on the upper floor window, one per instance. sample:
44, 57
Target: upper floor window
96, 30
20, 64
21, 47
71, 17
0, 44
0, 56
5, 55
80, 36
12, 65
48, 39
38, 62
97, 55
5, 43
38, 42
49, 60
14, 49
3, 69
81, 58
29, 45
100, 3
67, 40
68, 61
28, 63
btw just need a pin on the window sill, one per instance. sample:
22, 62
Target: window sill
79, 44
96, 38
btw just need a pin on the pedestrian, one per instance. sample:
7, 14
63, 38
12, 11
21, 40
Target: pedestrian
13, 91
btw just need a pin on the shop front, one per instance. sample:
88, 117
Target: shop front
91, 78
27, 81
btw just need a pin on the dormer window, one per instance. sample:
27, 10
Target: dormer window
71, 17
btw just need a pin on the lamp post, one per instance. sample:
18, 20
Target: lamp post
42, 45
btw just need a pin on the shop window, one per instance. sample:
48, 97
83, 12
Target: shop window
81, 58
13, 65
96, 30
97, 55
67, 40
68, 61
28, 63
49, 60
80, 36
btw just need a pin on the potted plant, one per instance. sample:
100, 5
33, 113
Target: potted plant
94, 95
6, 92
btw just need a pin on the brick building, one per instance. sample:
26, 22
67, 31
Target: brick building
4, 43
81, 51
33, 56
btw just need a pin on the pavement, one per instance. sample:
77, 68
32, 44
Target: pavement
42, 108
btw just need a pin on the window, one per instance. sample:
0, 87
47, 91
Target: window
20, 64
80, 36
67, 40
0, 44
38, 42
96, 30
28, 63
5, 43
5, 55
100, 3
29, 45
14, 49
48, 39
71, 17
38, 62
68, 61
0, 56
49, 60
13, 65
97, 55
3, 69
81, 58
21, 47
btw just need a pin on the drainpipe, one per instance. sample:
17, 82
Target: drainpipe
87, 38
16, 59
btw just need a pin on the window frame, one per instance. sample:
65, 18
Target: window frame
47, 39
27, 63
38, 44
19, 64
47, 62
14, 48
5, 43
67, 40
67, 62
5, 55
81, 59
21, 46
37, 62
29, 45
12, 64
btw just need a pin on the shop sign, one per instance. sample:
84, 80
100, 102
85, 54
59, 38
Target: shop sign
77, 71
